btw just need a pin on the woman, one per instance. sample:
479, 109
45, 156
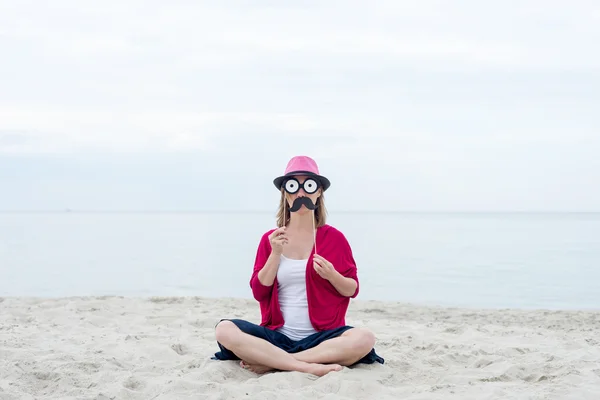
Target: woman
304, 276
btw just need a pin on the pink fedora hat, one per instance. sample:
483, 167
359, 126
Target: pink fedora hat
302, 165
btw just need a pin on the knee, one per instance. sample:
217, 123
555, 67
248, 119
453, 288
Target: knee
364, 340
226, 333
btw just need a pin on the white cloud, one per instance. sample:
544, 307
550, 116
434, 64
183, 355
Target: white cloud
484, 34
141, 130
459, 87
61, 130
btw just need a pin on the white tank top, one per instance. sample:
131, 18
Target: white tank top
291, 279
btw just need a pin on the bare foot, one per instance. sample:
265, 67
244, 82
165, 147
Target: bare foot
315, 369
323, 369
256, 368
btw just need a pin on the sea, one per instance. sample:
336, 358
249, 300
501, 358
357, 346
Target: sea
473, 260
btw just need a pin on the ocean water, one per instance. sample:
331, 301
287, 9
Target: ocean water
491, 260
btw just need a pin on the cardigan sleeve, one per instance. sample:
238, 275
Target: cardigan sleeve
260, 291
346, 264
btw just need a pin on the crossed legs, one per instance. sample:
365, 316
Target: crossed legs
260, 356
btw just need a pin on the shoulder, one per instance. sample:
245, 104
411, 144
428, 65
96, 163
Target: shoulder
333, 233
267, 233
265, 236
337, 248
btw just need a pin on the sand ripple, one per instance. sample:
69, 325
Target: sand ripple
160, 348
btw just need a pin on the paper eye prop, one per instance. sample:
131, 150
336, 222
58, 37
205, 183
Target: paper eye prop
310, 186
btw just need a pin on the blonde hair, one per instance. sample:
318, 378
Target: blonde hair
283, 212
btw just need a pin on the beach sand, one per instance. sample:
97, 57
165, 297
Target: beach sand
161, 348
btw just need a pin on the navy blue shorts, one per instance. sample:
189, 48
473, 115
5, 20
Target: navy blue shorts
287, 344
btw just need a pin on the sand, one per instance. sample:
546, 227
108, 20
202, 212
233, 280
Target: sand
160, 348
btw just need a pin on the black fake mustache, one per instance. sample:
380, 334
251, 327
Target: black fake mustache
300, 201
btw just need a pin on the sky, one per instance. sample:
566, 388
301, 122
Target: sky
405, 105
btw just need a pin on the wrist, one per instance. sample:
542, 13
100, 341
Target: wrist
336, 277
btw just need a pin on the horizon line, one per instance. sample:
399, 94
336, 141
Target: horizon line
241, 211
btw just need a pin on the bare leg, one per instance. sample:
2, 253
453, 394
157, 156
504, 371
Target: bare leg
345, 350
256, 351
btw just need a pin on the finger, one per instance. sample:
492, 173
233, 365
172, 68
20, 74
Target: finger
324, 262
277, 232
320, 258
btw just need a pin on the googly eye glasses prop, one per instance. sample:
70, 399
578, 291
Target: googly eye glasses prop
310, 186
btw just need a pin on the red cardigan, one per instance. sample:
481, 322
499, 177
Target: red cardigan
326, 306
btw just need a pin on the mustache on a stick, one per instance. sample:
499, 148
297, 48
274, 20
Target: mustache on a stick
306, 201
302, 201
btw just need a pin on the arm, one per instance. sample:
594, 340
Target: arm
349, 270
342, 274
267, 274
266, 265
345, 286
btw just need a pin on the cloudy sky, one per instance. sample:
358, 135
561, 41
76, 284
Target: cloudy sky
405, 105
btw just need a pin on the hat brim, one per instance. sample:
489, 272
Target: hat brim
280, 179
